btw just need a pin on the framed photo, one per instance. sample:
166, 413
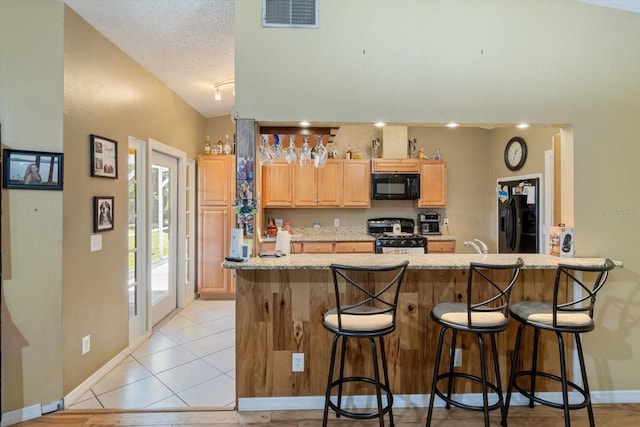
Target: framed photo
32, 170
104, 157
102, 213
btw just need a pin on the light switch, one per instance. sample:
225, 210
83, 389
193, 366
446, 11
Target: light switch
96, 242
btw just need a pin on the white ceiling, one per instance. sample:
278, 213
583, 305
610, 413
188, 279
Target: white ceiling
188, 44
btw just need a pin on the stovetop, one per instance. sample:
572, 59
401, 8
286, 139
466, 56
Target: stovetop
379, 226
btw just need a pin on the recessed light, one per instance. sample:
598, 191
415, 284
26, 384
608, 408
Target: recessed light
452, 125
379, 124
523, 125
304, 124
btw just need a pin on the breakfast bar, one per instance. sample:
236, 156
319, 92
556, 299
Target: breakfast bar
280, 303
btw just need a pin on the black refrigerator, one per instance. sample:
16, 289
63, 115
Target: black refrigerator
519, 216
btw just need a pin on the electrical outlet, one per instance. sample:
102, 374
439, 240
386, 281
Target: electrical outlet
457, 358
445, 222
336, 222
297, 362
86, 344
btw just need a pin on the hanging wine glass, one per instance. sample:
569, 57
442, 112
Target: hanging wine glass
290, 153
276, 150
265, 150
305, 151
320, 158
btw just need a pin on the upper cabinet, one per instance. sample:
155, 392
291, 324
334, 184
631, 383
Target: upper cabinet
277, 184
214, 178
340, 183
395, 165
433, 183
356, 184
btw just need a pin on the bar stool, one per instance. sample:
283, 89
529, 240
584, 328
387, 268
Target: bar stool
573, 317
366, 302
484, 313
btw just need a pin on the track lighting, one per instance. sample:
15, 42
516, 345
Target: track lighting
218, 96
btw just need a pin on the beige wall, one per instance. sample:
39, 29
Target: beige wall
550, 63
108, 94
60, 81
32, 228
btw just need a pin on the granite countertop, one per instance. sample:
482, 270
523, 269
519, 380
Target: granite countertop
416, 262
340, 234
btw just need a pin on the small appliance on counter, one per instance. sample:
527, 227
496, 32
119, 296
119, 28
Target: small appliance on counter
390, 241
561, 241
429, 223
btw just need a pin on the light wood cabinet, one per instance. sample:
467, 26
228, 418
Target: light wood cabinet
395, 165
340, 183
276, 184
433, 183
216, 196
356, 183
354, 247
325, 247
441, 246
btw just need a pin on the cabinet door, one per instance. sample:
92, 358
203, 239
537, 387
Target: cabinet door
213, 245
441, 246
214, 175
329, 183
354, 247
356, 183
305, 185
395, 165
276, 184
317, 247
433, 183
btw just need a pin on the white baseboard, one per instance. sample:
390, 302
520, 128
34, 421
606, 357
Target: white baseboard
20, 415
419, 400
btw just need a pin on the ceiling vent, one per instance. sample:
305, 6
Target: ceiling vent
290, 13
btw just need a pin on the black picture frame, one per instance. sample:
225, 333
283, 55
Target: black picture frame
32, 170
103, 211
104, 157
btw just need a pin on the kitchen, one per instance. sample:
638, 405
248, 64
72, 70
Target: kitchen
474, 161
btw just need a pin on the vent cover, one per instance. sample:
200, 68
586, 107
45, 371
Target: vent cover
290, 13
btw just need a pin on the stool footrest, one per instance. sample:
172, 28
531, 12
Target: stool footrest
528, 395
362, 415
491, 388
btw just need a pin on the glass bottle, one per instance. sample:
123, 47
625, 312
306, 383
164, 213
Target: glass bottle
227, 145
207, 146
219, 145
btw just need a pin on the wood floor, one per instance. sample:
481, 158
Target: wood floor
519, 416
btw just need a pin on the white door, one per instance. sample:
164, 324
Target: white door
163, 190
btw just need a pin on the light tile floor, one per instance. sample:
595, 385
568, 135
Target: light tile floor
188, 362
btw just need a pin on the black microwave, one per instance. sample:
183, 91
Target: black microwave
395, 186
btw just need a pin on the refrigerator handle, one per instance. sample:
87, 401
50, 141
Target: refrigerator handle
510, 229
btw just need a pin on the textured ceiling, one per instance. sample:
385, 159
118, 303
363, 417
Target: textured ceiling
188, 44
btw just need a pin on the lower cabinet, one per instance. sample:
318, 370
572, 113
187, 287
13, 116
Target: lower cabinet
214, 282
325, 247
441, 246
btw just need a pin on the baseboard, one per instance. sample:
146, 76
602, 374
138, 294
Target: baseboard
19, 415
75, 394
419, 400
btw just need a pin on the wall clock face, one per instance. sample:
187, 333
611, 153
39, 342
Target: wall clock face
515, 153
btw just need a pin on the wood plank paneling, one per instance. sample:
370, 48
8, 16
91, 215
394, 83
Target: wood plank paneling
279, 312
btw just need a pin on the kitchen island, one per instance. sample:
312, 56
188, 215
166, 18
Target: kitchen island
280, 303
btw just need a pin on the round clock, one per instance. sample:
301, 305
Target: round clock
515, 153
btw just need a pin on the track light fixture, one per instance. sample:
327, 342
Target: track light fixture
218, 96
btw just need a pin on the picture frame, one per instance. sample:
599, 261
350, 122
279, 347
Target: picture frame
104, 157
103, 213
32, 170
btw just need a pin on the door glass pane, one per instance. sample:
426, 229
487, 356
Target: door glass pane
132, 284
160, 232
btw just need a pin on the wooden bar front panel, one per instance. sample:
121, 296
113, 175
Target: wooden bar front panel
279, 312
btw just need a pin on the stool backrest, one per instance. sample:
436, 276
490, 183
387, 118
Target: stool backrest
366, 291
567, 274
487, 294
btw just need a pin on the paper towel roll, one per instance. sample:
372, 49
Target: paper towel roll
283, 242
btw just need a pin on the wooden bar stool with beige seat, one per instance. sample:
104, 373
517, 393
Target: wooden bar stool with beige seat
366, 302
485, 312
573, 317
